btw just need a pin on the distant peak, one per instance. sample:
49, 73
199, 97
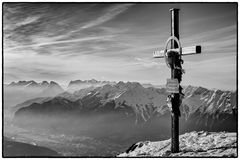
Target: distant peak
53, 83
120, 83
87, 82
44, 82
128, 84
23, 83
12, 83
76, 81
93, 81
134, 83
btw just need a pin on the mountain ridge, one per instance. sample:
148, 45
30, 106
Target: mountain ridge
144, 103
19, 92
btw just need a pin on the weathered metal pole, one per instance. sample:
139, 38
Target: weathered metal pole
176, 96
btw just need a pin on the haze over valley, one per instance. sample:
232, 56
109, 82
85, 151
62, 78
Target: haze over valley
103, 118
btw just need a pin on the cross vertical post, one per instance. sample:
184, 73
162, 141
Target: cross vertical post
176, 96
173, 59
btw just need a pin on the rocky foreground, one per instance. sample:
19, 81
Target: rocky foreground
193, 144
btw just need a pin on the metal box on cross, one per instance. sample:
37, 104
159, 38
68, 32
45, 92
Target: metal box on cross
172, 86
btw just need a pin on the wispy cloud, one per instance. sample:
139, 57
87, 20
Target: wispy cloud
213, 34
61, 42
82, 41
147, 63
108, 15
28, 20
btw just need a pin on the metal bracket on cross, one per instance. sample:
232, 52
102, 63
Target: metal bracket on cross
185, 51
167, 51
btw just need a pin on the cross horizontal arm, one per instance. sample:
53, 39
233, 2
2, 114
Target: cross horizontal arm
185, 51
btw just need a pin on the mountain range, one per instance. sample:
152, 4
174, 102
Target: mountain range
81, 84
120, 113
18, 92
201, 108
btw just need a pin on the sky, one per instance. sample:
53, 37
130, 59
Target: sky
115, 42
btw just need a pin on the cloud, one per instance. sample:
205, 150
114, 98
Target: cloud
147, 63
214, 34
210, 18
8, 77
61, 42
28, 20
110, 14
221, 40
220, 72
71, 41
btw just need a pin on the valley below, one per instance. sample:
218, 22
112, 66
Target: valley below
65, 145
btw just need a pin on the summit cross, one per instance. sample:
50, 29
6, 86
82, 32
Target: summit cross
173, 59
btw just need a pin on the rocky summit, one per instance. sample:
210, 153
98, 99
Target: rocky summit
193, 144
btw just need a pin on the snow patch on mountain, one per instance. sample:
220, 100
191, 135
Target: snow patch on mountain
148, 102
193, 144
144, 101
81, 84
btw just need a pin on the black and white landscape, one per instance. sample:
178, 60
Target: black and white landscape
79, 80
105, 118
